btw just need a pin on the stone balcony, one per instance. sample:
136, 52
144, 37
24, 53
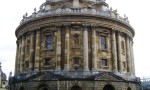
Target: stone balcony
111, 14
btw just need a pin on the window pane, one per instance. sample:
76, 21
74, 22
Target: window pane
103, 42
49, 40
123, 47
48, 62
104, 62
76, 61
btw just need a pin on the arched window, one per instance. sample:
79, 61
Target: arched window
108, 87
76, 40
103, 42
49, 41
122, 47
76, 88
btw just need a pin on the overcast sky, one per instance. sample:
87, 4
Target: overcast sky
11, 12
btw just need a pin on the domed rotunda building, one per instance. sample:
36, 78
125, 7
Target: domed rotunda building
74, 45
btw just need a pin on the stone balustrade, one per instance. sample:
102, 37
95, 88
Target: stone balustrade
75, 11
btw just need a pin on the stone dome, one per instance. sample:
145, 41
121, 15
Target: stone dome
98, 8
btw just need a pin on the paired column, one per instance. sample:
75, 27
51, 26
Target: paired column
114, 52
75, 3
19, 56
119, 52
58, 50
31, 56
37, 51
17, 60
94, 51
85, 49
128, 55
132, 58
22, 54
66, 65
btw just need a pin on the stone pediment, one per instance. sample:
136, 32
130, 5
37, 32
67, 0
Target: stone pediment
108, 77
45, 76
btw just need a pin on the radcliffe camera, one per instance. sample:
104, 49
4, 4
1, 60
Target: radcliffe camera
73, 45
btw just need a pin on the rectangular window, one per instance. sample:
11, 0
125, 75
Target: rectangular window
76, 61
49, 41
26, 64
103, 42
48, 62
104, 62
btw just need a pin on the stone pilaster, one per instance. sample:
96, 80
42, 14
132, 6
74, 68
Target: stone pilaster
114, 52
66, 64
119, 51
128, 55
58, 50
108, 42
94, 51
31, 56
22, 54
19, 56
37, 51
132, 58
85, 49
17, 60
76, 3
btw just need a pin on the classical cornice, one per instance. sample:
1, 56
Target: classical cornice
47, 21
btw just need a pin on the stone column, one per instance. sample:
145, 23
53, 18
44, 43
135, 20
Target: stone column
58, 50
19, 56
85, 49
108, 42
114, 52
37, 51
128, 55
119, 51
94, 51
17, 60
22, 54
75, 3
31, 56
132, 58
66, 66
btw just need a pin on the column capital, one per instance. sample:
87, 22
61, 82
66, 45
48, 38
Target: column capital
38, 31
58, 28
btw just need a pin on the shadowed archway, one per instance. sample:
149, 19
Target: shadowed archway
43, 87
108, 87
21, 88
76, 88
129, 88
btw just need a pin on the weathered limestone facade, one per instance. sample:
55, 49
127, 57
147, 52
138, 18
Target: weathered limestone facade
74, 45
3, 79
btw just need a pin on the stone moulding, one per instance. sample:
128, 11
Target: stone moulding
36, 24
